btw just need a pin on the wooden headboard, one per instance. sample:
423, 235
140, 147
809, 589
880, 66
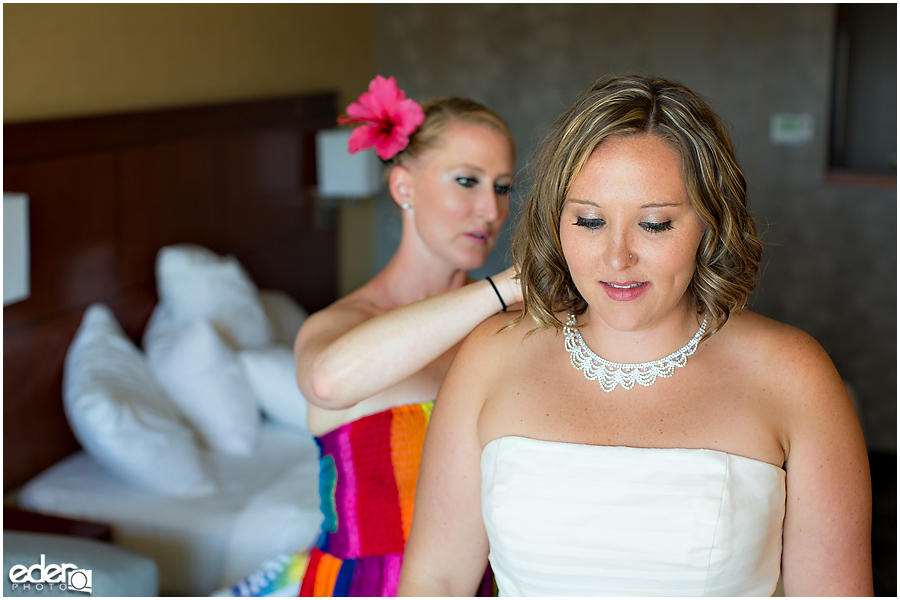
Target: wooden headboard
107, 192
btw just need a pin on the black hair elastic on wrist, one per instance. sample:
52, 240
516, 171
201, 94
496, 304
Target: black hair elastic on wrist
496, 291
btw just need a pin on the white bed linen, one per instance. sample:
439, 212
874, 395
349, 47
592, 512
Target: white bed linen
267, 503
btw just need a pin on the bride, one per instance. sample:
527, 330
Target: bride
708, 452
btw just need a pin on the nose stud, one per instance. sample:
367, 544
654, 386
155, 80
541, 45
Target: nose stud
629, 256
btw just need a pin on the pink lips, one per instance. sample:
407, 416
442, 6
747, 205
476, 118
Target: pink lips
623, 291
479, 236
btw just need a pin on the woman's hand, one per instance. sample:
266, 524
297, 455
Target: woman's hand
509, 287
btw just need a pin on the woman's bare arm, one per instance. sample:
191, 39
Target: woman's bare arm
446, 554
342, 358
828, 513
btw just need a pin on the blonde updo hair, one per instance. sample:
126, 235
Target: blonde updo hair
729, 252
439, 114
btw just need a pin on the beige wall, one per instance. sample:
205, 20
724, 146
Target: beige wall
63, 60
77, 59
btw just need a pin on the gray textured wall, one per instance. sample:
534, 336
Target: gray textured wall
830, 261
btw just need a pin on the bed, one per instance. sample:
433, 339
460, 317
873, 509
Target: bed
233, 185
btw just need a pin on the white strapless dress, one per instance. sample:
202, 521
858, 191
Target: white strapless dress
579, 520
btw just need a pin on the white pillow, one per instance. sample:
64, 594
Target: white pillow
195, 283
283, 516
285, 315
122, 418
271, 373
202, 375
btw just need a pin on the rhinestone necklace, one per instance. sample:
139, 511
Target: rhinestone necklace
610, 374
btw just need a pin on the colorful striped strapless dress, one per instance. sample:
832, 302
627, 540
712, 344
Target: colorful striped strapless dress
367, 485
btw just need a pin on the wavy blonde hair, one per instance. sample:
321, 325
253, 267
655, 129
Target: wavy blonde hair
729, 253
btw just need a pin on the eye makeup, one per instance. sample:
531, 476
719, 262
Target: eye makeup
657, 227
589, 223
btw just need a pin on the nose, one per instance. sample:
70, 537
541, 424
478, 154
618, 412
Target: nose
488, 206
619, 252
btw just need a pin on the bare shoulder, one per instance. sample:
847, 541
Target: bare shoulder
489, 348
791, 378
502, 337
788, 370
775, 350
501, 328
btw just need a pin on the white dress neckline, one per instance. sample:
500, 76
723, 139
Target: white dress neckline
636, 448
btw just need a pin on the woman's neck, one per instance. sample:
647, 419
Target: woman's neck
640, 345
409, 277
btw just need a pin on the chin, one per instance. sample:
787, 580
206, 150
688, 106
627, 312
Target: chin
621, 320
471, 260
469, 263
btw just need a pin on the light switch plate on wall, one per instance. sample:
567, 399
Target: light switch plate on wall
791, 128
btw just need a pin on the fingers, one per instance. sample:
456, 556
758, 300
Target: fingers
510, 286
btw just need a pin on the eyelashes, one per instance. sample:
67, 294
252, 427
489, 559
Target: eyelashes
657, 227
589, 223
647, 225
470, 182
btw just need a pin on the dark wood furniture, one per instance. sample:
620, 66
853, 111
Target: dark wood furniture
107, 192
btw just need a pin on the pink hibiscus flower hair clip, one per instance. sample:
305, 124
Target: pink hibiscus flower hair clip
385, 118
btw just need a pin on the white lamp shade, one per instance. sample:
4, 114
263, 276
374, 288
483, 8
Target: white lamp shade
16, 257
341, 174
